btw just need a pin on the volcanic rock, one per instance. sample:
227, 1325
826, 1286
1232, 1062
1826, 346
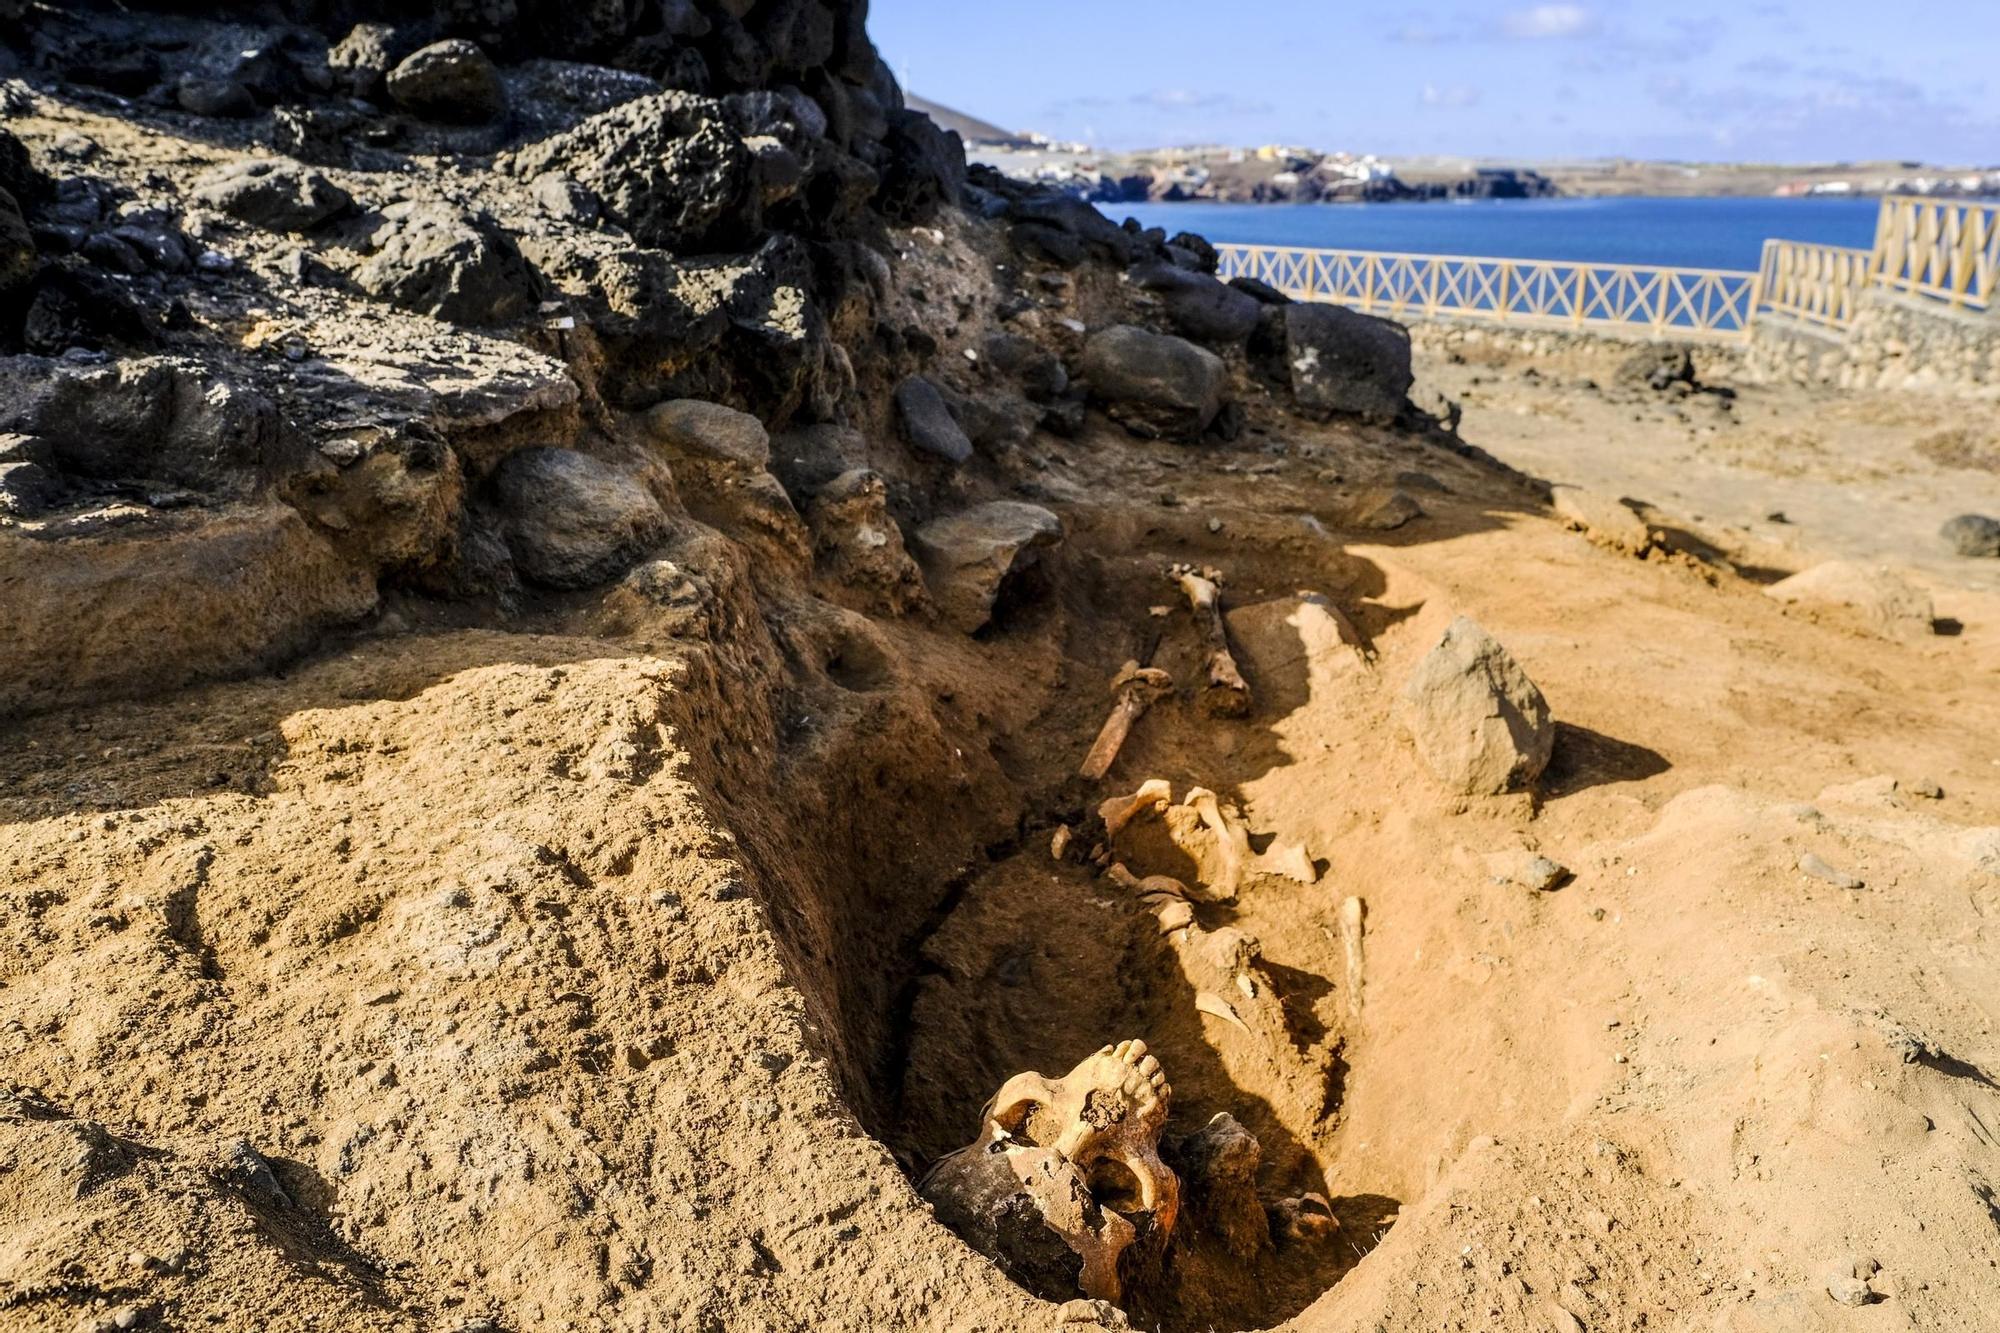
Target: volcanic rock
1479, 723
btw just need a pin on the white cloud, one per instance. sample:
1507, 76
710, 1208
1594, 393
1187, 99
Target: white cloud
1542, 21
1458, 95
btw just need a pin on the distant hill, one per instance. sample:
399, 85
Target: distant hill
970, 128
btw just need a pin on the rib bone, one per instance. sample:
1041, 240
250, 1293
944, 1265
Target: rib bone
1227, 694
1135, 688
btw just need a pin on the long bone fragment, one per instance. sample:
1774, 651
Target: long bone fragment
1227, 693
1352, 912
1232, 843
1134, 688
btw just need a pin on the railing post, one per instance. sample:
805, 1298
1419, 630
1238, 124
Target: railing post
1576, 300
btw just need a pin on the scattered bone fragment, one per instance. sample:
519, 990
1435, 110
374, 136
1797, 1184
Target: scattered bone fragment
1211, 1003
1291, 860
1082, 1153
1232, 843
1227, 694
1352, 913
1154, 794
1059, 841
1174, 916
1152, 886
1134, 689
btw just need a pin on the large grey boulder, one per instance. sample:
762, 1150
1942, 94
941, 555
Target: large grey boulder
1972, 535
1875, 597
928, 423
273, 193
693, 428
449, 265
1340, 360
974, 558
1199, 306
1479, 723
1153, 384
450, 81
573, 521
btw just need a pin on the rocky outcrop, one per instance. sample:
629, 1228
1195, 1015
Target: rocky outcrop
1479, 723
1155, 385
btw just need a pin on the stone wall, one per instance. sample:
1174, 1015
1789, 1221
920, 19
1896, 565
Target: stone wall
1897, 342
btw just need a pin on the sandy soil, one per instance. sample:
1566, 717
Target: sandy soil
472, 976
1780, 475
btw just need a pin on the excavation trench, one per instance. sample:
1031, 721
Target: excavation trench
947, 985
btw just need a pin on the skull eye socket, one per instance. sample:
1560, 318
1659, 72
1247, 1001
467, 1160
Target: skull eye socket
1114, 1186
1019, 1121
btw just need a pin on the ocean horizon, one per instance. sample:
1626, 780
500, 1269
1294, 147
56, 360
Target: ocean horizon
1684, 232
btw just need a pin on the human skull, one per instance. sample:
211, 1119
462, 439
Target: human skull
1082, 1151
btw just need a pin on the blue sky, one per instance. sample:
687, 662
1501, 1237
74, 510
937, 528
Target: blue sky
1712, 80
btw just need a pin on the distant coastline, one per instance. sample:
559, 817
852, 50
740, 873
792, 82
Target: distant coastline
1276, 174
1293, 174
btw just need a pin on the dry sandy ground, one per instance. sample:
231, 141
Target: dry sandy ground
533, 980
1865, 475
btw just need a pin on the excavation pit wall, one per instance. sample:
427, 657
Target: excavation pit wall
904, 860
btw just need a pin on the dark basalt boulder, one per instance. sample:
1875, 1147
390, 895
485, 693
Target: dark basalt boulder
144, 418
573, 521
449, 265
928, 424
669, 169
1342, 361
451, 81
925, 170
1155, 385
1198, 306
272, 193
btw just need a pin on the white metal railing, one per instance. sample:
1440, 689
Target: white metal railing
1716, 304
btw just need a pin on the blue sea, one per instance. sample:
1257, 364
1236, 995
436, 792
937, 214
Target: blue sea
1683, 233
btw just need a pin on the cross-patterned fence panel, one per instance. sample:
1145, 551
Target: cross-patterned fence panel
1821, 284
1943, 250
1714, 304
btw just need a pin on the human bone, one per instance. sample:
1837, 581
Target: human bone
1081, 1152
